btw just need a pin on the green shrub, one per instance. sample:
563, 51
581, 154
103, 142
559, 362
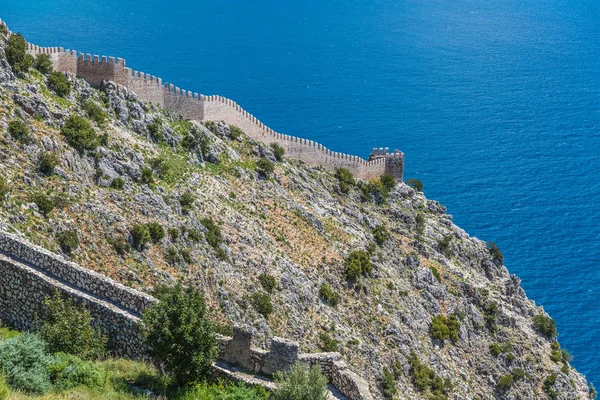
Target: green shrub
186, 200
16, 54
4, 188
155, 128
505, 382
221, 391
265, 167
420, 222
444, 244
43, 64
262, 304
67, 328
68, 241
44, 203
436, 273
3, 387
178, 335
235, 132
425, 379
545, 326
146, 176
345, 179
156, 231
381, 235
141, 236
173, 234
327, 294
268, 282
278, 151
301, 383
195, 235
328, 343
549, 386
79, 133
69, 371
373, 191
490, 315
95, 112
443, 328
213, 233
415, 184
388, 181
19, 131
121, 245
59, 82
358, 263
25, 360
518, 373
495, 349
495, 252
47, 162
117, 183
388, 384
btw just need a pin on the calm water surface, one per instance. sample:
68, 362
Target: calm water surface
496, 104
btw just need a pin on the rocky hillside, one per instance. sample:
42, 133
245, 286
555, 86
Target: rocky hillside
380, 274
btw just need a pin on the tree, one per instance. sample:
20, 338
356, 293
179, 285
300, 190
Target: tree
44, 203
388, 384
141, 236
388, 181
68, 328
178, 335
19, 131
47, 162
415, 184
380, 234
95, 112
16, 54
265, 167
545, 326
358, 263
345, 179
59, 83
43, 63
68, 241
495, 252
278, 151
301, 382
79, 133
4, 189
262, 304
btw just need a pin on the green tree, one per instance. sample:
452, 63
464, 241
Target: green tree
268, 282
301, 382
186, 200
262, 304
19, 131
388, 181
178, 335
141, 236
117, 183
79, 133
278, 151
381, 234
330, 296
505, 382
495, 252
47, 162
146, 176
59, 82
95, 112
68, 241
156, 231
68, 328
43, 63
265, 167
345, 179
545, 326
358, 263
155, 128
44, 203
16, 54
25, 360
4, 189
388, 384
415, 184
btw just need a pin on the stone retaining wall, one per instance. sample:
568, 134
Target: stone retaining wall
94, 69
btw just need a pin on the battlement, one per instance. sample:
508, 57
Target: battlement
96, 69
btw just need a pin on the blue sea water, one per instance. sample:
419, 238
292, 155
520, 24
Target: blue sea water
496, 104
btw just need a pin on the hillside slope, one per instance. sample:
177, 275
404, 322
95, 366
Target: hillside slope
246, 237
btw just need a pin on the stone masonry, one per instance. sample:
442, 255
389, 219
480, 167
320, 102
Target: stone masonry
96, 69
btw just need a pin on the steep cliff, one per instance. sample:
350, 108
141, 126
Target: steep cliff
383, 276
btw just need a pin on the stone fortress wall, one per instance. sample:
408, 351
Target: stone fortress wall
95, 69
29, 274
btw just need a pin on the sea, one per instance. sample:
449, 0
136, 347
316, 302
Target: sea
496, 104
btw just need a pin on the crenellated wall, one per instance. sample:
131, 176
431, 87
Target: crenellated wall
95, 69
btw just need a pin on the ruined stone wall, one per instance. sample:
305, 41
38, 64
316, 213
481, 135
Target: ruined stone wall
282, 354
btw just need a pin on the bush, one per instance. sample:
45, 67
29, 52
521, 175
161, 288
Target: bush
117, 183
67, 328
495, 252
69, 371
436, 273
443, 328
374, 191
173, 234
59, 83
358, 263
490, 315
549, 386
388, 384
79, 133
44, 203
235, 132
47, 162
156, 231
205, 391
268, 282
186, 201
545, 326
265, 167
3, 387
95, 112
444, 244
415, 184
141, 236
16, 54
25, 360
121, 245
328, 343
301, 383
420, 222
4, 188
327, 294
213, 233
345, 179
146, 176
43, 64
505, 382
381, 235
178, 335
388, 181
155, 128
19, 131
278, 151
424, 378
262, 304
68, 241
